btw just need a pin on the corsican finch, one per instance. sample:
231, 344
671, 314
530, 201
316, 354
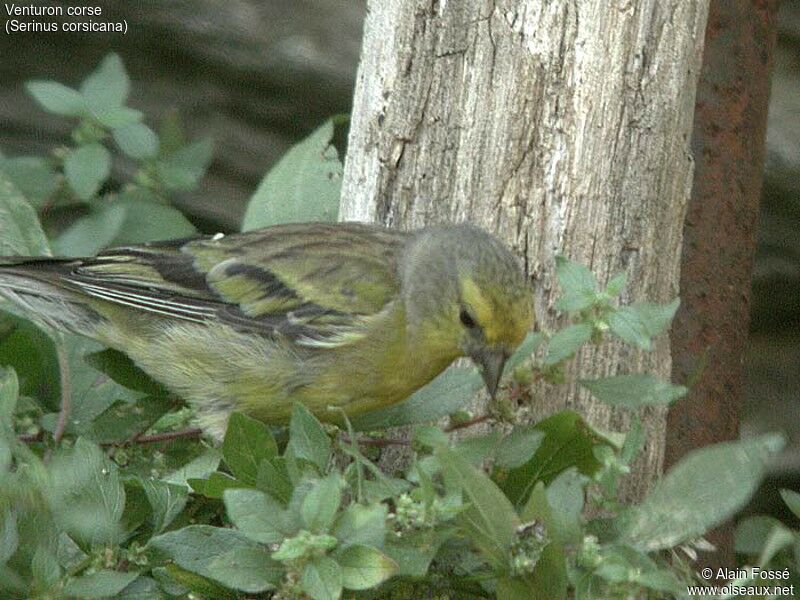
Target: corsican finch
349, 315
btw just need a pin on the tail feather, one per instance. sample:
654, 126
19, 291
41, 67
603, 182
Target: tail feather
35, 262
33, 284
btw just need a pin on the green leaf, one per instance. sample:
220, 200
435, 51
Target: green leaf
9, 393
303, 186
180, 581
528, 346
661, 580
114, 118
430, 436
308, 439
640, 322
568, 442
86, 168
359, 524
167, 501
92, 232
142, 588
792, 500
779, 538
9, 535
199, 548
124, 371
678, 509
57, 98
566, 342
616, 285
200, 467
751, 534
22, 233
578, 284
515, 588
634, 391
44, 567
102, 584
91, 391
518, 447
137, 140
478, 448
490, 520
170, 132
321, 504
443, 396
414, 552
622, 564
32, 354
215, 485
549, 578
107, 86
273, 478
565, 495
364, 567
183, 169
322, 579
149, 220
634, 441
120, 222
33, 176
121, 421
85, 493
256, 514
247, 569
587, 585
247, 442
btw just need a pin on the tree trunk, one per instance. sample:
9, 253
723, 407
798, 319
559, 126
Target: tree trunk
561, 126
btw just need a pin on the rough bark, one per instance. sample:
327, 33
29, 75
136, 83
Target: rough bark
720, 230
562, 126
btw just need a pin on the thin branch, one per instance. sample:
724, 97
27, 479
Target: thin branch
167, 436
66, 401
469, 423
378, 442
384, 442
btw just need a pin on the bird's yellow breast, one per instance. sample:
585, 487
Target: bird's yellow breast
220, 370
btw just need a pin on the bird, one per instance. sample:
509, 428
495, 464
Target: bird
347, 315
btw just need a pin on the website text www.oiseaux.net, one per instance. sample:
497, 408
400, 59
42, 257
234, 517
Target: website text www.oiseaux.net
751, 582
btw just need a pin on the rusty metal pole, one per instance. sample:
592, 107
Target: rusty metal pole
720, 230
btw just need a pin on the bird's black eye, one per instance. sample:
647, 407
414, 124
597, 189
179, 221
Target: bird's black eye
467, 320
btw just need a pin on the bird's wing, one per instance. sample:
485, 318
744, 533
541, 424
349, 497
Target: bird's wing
318, 284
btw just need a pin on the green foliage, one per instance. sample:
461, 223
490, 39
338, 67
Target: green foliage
632, 391
129, 503
679, 509
104, 213
22, 233
772, 547
312, 169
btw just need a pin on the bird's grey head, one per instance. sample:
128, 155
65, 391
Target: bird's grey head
465, 292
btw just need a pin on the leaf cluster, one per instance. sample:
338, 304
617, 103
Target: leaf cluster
81, 208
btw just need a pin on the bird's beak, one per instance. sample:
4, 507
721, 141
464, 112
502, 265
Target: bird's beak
491, 363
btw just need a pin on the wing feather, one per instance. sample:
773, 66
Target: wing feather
317, 284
